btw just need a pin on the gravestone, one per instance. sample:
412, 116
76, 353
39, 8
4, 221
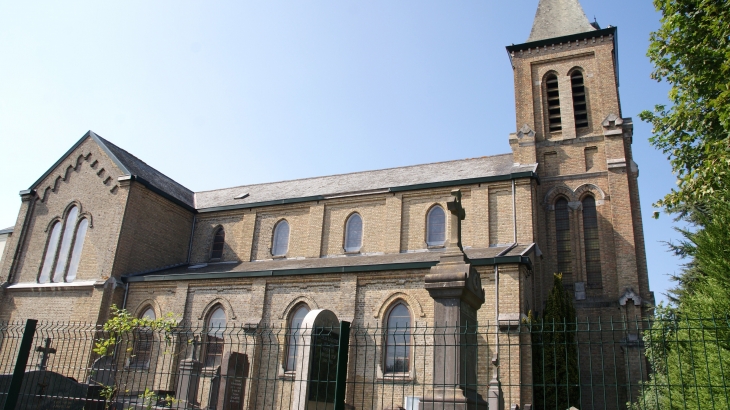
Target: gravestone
188, 379
46, 390
316, 365
232, 391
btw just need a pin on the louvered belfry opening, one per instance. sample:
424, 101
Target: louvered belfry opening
580, 107
553, 100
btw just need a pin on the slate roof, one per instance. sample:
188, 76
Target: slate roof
132, 165
7, 230
319, 265
558, 18
362, 182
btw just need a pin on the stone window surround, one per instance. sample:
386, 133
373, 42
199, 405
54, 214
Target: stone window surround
402, 377
291, 310
346, 231
63, 221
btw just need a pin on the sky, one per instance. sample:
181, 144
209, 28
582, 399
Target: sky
226, 93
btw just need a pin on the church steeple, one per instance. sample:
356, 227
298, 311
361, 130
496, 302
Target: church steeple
558, 18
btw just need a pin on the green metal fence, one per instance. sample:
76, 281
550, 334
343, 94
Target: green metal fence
586, 364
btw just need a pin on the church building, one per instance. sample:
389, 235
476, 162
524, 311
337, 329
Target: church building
101, 227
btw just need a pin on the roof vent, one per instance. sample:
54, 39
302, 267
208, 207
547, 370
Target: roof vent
242, 196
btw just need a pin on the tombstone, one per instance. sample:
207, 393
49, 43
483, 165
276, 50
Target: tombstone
232, 390
103, 372
46, 390
316, 366
188, 379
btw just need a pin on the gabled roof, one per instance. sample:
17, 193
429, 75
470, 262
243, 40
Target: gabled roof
559, 18
439, 174
133, 167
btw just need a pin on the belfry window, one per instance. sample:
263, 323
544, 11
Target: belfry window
294, 341
580, 106
353, 233
219, 240
553, 101
398, 340
436, 226
64, 249
590, 238
562, 235
281, 239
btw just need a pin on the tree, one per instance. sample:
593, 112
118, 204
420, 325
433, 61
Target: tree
555, 352
691, 51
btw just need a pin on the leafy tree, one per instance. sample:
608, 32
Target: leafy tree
555, 352
691, 51
688, 345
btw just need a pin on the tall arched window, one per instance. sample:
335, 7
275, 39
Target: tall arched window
214, 334
51, 250
281, 239
64, 249
590, 238
553, 102
398, 340
78, 247
562, 235
219, 239
294, 341
66, 241
353, 233
580, 106
143, 342
436, 226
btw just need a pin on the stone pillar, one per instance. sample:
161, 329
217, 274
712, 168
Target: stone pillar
457, 293
188, 380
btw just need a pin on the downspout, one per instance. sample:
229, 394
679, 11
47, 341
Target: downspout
190, 245
495, 395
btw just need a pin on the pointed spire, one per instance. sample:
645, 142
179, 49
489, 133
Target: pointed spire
558, 18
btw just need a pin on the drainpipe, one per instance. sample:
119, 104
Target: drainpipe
494, 396
190, 245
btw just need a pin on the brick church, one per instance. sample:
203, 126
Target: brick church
102, 227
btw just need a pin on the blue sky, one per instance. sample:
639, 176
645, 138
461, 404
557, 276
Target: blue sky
225, 93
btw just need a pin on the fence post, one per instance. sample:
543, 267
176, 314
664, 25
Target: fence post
23, 353
341, 377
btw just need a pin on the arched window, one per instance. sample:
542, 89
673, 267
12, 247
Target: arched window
51, 250
294, 341
398, 340
78, 247
562, 235
580, 106
353, 233
219, 239
143, 342
214, 334
66, 241
281, 239
553, 102
590, 238
436, 226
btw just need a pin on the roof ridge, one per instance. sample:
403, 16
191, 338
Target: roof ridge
352, 173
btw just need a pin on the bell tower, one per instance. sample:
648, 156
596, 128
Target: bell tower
569, 123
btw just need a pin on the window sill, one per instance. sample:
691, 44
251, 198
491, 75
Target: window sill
39, 287
357, 252
396, 378
290, 375
440, 246
278, 257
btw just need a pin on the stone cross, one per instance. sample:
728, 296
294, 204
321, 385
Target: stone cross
45, 352
457, 215
196, 343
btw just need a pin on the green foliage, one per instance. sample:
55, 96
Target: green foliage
555, 352
690, 357
122, 323
691, 51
